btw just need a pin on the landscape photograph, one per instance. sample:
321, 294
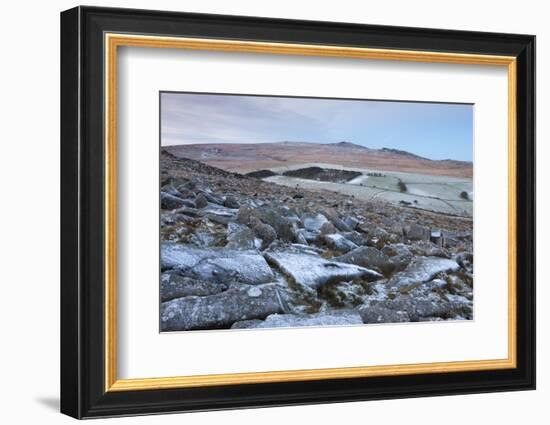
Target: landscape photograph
279, 211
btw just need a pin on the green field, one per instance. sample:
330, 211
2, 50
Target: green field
434, 193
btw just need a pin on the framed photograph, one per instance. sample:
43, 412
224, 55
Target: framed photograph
261, 212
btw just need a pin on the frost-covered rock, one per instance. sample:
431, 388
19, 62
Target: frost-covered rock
274, 217
301, 238
173, 285
428, 249
216, 264
240, 236
306, 235
205, 238
240, 302
210, 197
328, 228
171, 190
201, 201
171, 202
170, 219
214, 209
377, 313
352, 222
338, 242
333, 318
314, 271
400, 256
314, 222
305, 248
416, 232
357, 238
231, 201
419, 308
422, 269
262, 231
188, 211
466, 261
343, 294
369, 257
246, 324
335, 220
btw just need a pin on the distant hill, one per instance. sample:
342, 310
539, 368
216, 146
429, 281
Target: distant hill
400, 152
247, 157
347, 145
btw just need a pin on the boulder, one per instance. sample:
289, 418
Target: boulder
422, 269
466, 261
343, 294
219, 219
418, 308
335, 220
313, 271
400, 256
305, 235
415, 232
398, 249
369, 257
201, 201
211, 197
314, 222
275, 217
171, 190
379, 237
185, 192
450, 239
356, 237
341, 225
305, 248
428, 249
171, 202
205, 238
173, 285
188, 211
301, 238
264, 232
377, 313
396, 228
352, 222
328, 228
333, 318
189, 203
216, 264
338, 242
243, 214
231, 201
240, 236
218, 210
241, 302
246, 324
170, 219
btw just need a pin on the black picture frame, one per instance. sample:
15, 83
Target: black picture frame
83, 392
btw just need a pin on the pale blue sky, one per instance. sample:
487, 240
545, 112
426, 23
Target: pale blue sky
432, 130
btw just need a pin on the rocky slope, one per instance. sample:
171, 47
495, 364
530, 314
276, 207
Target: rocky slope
238, 252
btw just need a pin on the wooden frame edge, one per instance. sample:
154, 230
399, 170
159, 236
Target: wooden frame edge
114, 40
138, 384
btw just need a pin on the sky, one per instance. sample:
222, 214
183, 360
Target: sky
431, 130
